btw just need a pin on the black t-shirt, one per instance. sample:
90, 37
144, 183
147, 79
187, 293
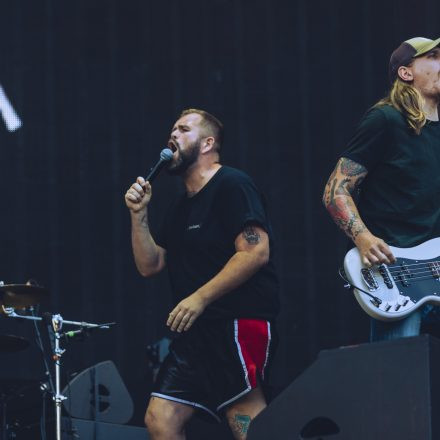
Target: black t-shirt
198, 234
399, 199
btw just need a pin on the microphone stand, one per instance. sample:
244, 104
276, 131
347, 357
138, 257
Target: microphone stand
57, 325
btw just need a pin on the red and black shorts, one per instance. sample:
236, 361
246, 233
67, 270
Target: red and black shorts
215, 363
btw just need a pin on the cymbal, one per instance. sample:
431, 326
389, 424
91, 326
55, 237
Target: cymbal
22, 295
11, 343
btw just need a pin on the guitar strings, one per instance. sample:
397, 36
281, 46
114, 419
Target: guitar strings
414, 264
415, 271
418, 278
427, 270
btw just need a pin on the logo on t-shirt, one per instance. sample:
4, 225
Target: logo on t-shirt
190, 227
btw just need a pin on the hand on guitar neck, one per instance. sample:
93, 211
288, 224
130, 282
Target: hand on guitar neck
373, 250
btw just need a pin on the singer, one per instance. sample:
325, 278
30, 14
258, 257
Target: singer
216, 242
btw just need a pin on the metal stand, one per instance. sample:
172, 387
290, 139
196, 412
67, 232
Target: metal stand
57, 325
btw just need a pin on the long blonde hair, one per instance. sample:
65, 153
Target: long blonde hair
405, 98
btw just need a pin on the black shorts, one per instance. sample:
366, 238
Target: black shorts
215, 363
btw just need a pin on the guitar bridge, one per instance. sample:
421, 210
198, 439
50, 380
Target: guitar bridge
369, 279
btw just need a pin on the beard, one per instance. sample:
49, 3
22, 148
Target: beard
185, 159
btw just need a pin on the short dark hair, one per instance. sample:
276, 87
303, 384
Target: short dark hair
210, 123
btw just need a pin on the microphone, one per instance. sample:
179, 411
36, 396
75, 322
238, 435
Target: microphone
75, 333
165, 156
85, 331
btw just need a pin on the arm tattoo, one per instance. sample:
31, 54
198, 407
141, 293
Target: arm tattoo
338, 196
354, 226
351, 168
240, 425
251, 235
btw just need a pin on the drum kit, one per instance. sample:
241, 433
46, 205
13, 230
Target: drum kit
24, 297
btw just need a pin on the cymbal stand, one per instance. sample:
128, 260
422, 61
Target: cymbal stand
57, 324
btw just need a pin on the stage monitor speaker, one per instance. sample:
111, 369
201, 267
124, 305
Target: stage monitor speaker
74, 429
384, 390
99, 394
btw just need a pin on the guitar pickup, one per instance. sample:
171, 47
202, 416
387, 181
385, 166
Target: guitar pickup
404, 280
383, 270
369, 279
404, 274
435, 269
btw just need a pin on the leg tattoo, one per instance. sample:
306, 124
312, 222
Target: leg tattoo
240, 425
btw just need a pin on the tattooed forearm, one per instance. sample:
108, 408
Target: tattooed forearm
338, 200
354, 226
351, 168
239, 425
251, 235
346, 216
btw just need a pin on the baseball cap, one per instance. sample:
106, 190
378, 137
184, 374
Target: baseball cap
408, 50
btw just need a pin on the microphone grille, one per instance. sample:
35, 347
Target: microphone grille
166, 154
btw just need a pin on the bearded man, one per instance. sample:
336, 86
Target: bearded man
216, 243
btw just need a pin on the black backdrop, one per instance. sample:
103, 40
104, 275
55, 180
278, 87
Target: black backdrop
98, 83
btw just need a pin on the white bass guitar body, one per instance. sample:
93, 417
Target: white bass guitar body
396, 290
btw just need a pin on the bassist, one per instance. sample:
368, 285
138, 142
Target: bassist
394, 160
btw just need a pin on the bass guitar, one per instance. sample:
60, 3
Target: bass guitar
391, 292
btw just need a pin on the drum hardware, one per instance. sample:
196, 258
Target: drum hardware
20, 296
26, 296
